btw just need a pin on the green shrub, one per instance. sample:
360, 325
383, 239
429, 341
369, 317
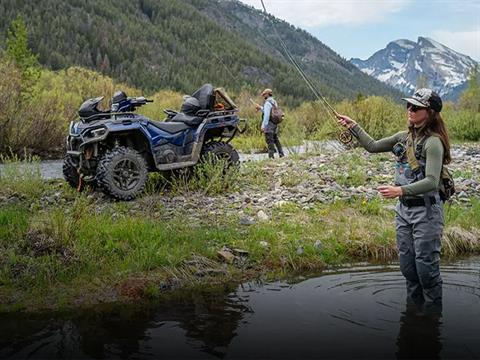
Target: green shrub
463, 125
210, 176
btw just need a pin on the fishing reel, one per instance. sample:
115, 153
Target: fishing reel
345, 137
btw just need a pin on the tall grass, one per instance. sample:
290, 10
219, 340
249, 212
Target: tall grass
211, 176
21, 176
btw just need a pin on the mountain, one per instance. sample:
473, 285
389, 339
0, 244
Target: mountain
405, 64
155, 44
332, 74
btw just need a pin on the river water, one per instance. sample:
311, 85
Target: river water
52, 169
359, 312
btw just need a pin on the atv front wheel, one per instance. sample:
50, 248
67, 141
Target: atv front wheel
122, 173
70, 172
220, 151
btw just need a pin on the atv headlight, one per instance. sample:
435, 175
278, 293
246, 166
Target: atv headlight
97, 132
73, 130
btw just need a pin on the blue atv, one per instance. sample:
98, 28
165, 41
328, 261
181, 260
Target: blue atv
114, 150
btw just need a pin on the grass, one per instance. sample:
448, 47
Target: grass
21, 176
85, 249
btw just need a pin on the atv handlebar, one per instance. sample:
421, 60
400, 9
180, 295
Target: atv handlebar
140, 100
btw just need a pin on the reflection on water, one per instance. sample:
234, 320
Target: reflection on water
356, 312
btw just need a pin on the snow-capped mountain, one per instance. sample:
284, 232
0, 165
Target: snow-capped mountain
405, 64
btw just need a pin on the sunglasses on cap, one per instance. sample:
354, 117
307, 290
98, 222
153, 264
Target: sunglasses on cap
414, 108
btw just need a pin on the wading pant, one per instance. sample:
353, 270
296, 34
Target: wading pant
419, 242
272, 141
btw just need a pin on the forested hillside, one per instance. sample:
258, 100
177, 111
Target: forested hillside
333, 74
155, 44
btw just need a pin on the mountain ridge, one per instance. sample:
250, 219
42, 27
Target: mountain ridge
155, 44
404, 64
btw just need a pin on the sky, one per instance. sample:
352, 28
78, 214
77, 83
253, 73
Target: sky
359, 28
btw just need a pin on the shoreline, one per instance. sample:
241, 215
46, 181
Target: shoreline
62, 250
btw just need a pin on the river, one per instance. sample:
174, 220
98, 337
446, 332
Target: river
359, 311
52, 169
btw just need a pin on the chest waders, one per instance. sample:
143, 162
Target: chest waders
419, 226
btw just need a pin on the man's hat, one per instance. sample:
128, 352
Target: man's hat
266, 91
426, 98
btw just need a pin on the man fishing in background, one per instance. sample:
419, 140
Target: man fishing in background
269, 128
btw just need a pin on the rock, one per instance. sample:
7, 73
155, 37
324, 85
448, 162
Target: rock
262, 216
226, 256
279, 203
240, 252
246, 221
462, 194
300, 250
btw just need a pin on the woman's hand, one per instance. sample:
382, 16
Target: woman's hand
390, 192
345, 121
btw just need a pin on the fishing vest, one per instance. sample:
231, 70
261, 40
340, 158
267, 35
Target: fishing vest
410, 166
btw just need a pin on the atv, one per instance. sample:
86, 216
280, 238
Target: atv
114, 150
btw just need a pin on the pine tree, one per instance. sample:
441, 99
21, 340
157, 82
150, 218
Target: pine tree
18, 52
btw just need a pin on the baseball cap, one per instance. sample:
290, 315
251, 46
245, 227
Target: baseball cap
426, 98
266, 91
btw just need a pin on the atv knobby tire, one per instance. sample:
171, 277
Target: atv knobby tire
70, 172
221, 151
122, 173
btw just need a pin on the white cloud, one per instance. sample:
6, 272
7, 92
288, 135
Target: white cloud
316, 13
464, 42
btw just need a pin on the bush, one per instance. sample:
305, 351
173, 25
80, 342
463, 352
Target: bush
463, 125
38, 123
379, 116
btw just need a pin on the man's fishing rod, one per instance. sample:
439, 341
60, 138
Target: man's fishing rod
345, 136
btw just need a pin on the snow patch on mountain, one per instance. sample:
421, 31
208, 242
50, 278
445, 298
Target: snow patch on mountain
403, 61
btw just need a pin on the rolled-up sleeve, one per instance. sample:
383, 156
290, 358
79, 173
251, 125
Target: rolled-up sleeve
267, 108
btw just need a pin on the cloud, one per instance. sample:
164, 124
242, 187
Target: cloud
465, 42
319, 13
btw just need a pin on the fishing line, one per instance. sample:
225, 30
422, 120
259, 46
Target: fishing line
345, 136
220, 60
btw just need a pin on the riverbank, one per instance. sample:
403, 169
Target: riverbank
64, 249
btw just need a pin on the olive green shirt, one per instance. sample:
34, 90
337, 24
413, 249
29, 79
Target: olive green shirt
432, 151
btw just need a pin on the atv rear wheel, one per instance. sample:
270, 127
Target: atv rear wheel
122, 173
70, 172
221, 151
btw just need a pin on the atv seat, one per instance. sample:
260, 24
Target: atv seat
187, 119
205, 96
170, 127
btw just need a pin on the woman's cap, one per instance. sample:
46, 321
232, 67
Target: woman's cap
426, 98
